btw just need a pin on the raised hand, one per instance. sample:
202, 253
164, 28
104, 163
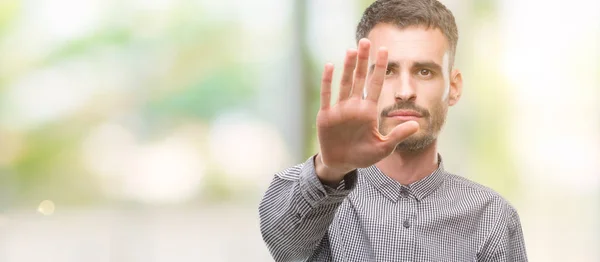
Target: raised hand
348, 130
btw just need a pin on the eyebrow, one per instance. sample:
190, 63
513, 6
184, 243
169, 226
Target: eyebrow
391, 64
428, 64
419, 64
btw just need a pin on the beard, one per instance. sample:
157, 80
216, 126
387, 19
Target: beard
427, 133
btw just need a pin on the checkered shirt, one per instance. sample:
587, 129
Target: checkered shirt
371, 217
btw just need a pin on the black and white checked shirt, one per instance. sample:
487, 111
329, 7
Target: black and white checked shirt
371, 217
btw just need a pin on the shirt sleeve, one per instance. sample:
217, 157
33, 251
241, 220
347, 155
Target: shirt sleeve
297, 209
506, 242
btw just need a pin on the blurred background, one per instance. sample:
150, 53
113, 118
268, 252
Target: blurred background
148, 130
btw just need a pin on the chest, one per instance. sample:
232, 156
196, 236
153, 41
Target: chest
371, 227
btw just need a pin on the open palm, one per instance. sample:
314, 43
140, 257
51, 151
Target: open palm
348, 130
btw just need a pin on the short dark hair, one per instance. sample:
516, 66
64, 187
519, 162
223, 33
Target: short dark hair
405, 13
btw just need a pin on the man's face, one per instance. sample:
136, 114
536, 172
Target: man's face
418, 85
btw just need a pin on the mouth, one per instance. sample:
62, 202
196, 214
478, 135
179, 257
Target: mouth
404, 115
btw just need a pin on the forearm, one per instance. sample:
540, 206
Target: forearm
297, 210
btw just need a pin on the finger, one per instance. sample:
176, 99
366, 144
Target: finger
326, 86
378, 76
346, 82
400, 133
360, 73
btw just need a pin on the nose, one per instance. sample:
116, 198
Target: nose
405, 89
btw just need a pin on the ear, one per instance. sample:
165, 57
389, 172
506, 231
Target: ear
456, 84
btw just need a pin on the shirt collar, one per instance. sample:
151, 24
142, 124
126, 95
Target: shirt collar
391, 189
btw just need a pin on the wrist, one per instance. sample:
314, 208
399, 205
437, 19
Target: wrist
329, 176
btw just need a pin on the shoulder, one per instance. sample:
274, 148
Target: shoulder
480, 195
498, 223
291, 173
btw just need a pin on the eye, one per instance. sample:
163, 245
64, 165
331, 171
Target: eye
389, 72
425, 72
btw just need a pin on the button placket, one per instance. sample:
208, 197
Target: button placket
404, 192
409, 207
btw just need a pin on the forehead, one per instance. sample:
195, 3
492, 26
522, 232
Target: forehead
412, 43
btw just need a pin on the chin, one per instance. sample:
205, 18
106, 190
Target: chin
416, 143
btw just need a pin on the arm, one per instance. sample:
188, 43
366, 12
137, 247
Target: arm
506, 242
297, 210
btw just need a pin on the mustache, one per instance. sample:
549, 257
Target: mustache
405, 105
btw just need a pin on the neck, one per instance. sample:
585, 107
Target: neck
409, 167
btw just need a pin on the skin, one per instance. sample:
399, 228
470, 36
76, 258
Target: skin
410, 84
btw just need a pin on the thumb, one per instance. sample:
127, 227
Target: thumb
401, 132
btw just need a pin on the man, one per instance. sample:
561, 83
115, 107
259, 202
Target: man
377, 190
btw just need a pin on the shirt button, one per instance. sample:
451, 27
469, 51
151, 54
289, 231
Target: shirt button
406, 224
404, 192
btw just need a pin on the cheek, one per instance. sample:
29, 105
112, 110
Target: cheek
435, 92
386, 97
